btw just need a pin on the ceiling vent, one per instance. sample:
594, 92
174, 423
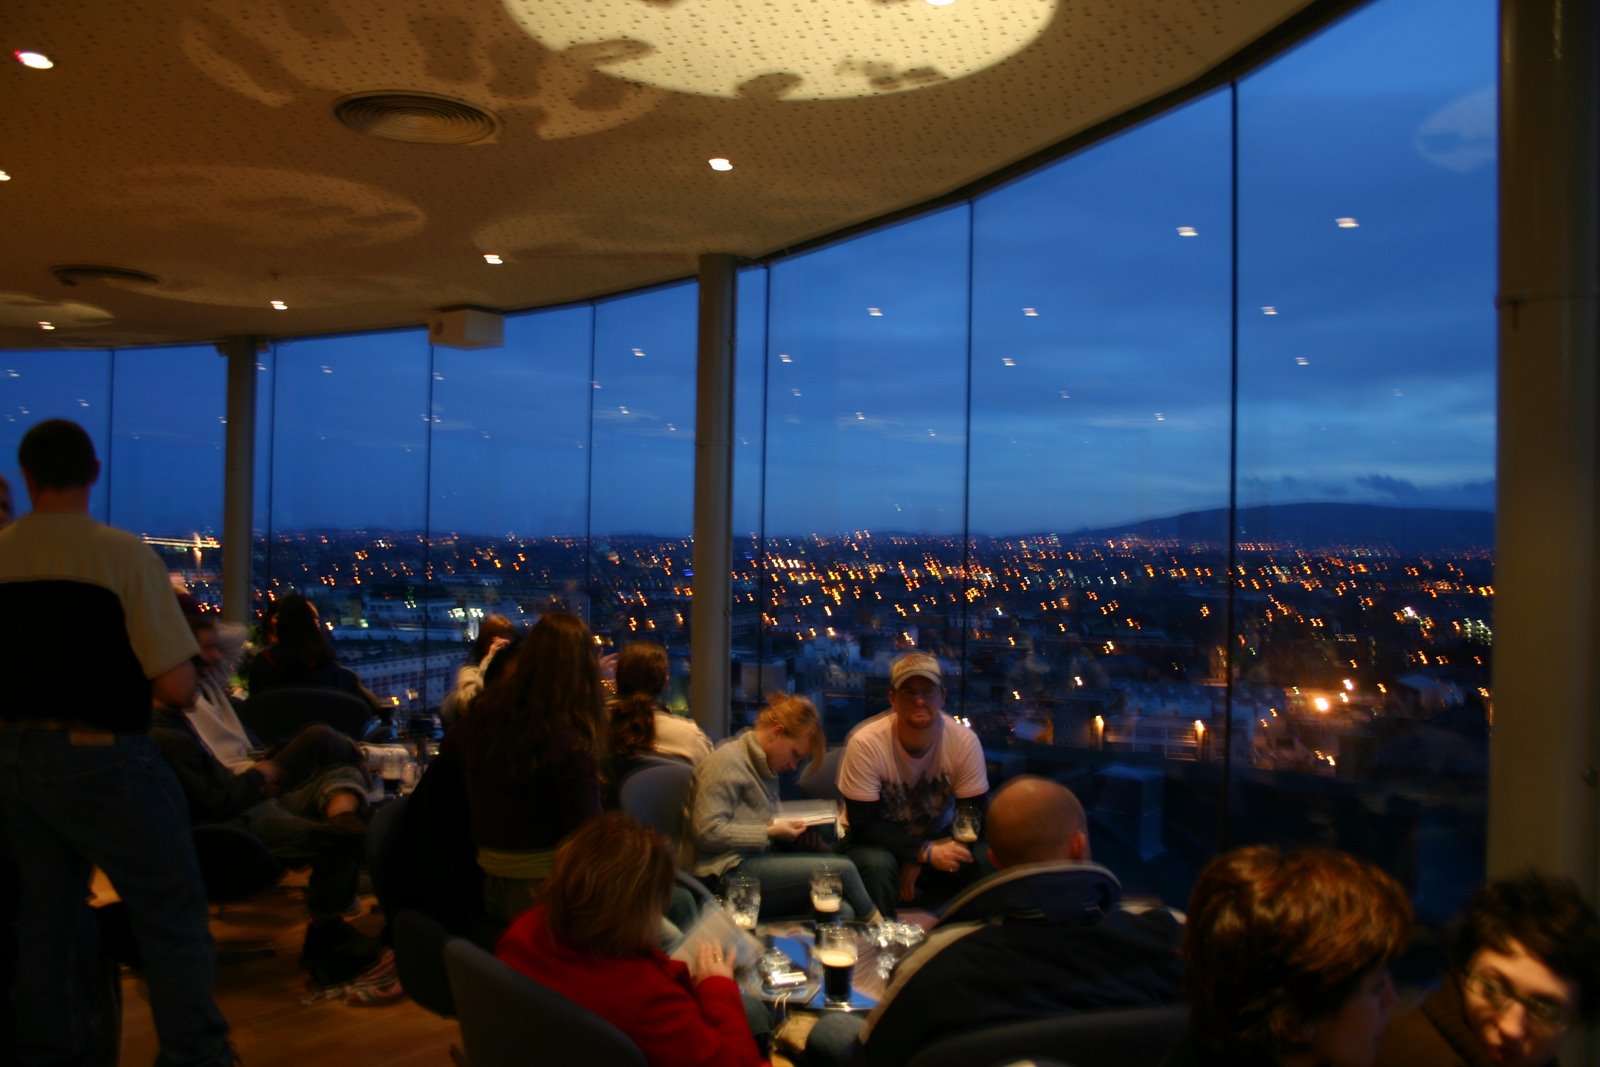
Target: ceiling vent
421, 118
93, 274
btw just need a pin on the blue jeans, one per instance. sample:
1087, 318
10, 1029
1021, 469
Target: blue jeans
73, 801
785, 879
880, 870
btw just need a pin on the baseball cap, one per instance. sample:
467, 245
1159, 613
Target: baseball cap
915, 665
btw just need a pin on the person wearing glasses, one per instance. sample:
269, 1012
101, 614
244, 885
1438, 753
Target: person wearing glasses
1525, 971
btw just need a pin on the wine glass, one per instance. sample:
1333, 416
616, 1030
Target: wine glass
743, 895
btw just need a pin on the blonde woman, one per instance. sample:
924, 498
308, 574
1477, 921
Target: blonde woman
733, 799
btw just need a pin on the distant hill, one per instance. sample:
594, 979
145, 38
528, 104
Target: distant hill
1411, 531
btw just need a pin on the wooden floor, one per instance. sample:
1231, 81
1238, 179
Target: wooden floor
278, 1021
265, 1001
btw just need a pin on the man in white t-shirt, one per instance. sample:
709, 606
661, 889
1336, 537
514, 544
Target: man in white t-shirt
901, 776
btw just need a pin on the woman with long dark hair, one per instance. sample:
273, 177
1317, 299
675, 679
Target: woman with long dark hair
531, 749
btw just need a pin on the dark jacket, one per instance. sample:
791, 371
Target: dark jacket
1435, 1033
1027, 942
215, 793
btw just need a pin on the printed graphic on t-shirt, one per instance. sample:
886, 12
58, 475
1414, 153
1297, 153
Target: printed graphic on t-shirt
919, 808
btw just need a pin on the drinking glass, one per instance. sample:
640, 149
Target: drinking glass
967, 824
836, 952
743, 894
827, 890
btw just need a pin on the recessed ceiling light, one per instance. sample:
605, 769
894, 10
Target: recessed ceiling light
36, 60
1346, 223
279, 305
491, 258
46, 325
940, 3
718, 163
4, 177
1188, 231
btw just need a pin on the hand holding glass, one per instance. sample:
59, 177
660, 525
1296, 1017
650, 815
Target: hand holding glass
743, 894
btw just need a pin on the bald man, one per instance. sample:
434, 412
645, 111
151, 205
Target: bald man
1045, 935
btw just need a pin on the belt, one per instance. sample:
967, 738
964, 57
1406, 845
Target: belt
67, 725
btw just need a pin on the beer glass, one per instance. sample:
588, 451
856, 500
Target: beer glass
836, 952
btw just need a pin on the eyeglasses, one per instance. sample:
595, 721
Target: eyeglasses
1543, 1015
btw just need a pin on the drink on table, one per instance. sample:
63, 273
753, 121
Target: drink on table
827, 892
743, 894
836, 952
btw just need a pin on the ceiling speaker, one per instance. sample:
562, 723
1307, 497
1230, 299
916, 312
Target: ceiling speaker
467, 328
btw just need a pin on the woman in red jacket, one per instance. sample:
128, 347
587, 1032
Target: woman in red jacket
593, 939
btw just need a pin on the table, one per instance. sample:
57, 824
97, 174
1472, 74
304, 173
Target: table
796, 940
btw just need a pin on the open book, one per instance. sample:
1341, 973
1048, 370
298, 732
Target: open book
811, 812
715, 926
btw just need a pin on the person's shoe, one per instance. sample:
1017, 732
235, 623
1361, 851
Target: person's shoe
335, 952
379, 985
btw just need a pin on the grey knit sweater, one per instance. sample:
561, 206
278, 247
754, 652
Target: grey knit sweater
731, 800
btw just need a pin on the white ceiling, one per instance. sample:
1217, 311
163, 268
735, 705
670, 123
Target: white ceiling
195, 140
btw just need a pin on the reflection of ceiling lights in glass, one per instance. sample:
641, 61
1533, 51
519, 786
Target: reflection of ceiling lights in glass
1031, 313
1346, 223
876, 313
719, 163
1268, 309
766, 49
45, 326
1302, 361
36, 60
4, 177
279, 305
1188, 231
492, 259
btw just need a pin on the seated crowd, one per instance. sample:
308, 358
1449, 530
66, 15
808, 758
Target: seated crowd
1283, 957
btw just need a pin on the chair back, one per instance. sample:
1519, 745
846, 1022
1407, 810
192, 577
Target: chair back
655, 796
277, 714
510, 1020
419, 947
820, 780
1125, 1037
